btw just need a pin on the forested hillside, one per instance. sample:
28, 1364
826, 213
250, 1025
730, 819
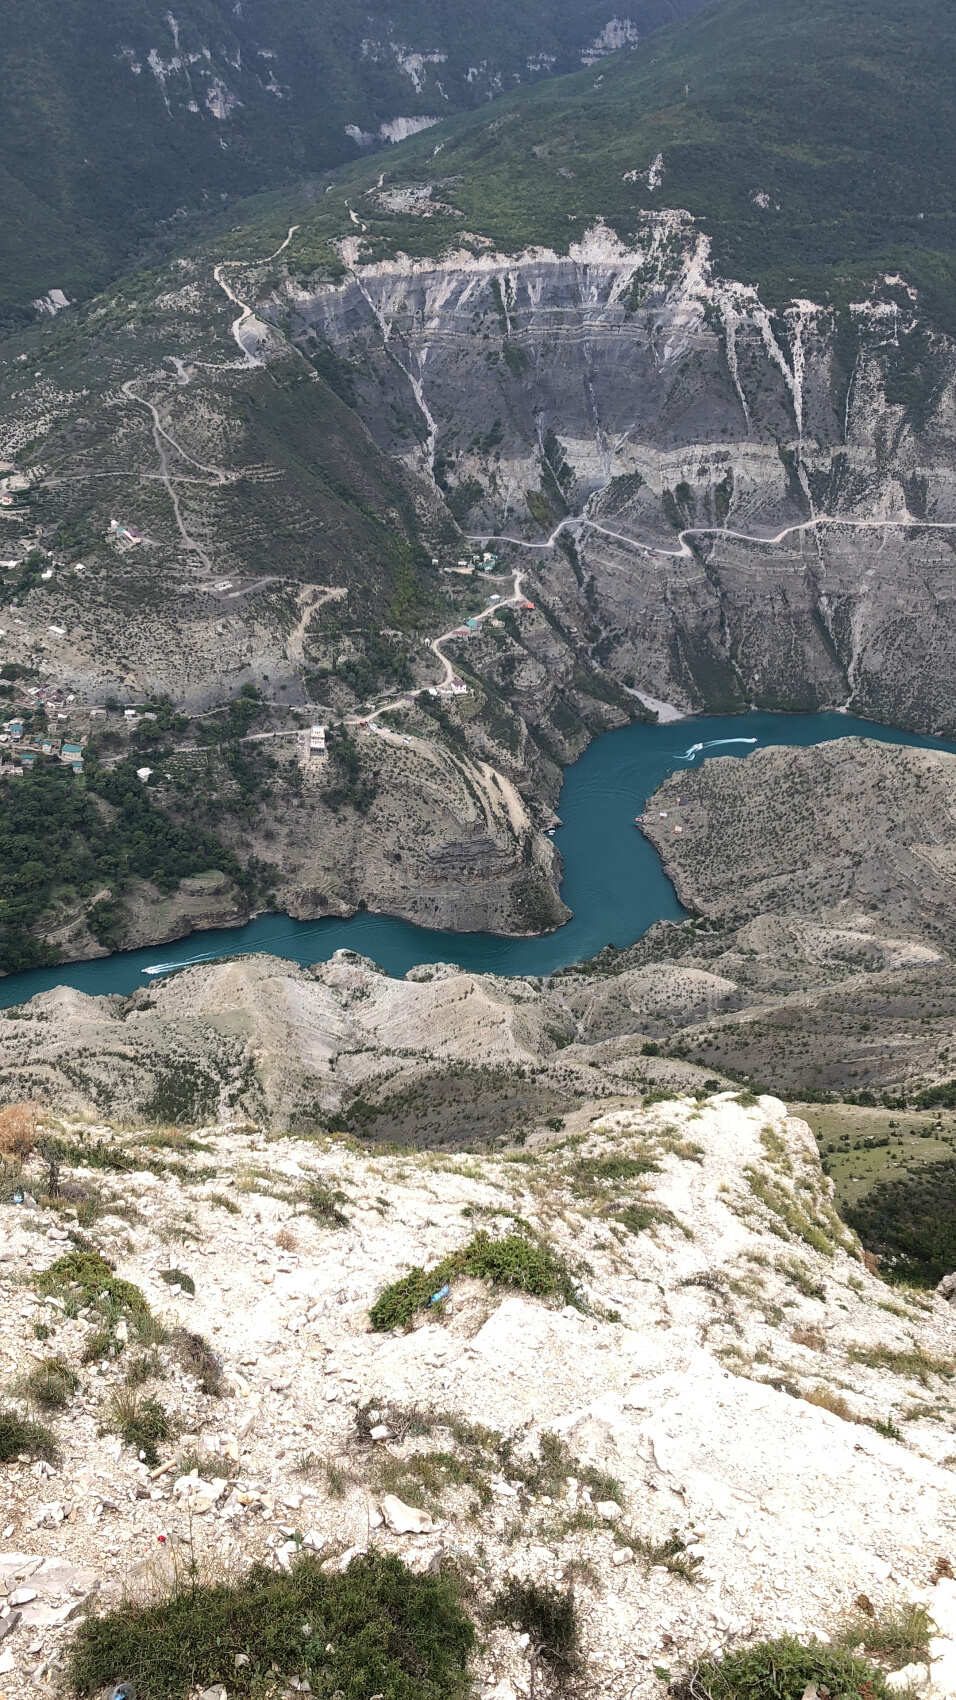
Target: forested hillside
814, 144
120, 114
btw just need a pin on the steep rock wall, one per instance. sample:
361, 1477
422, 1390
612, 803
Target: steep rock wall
739, 505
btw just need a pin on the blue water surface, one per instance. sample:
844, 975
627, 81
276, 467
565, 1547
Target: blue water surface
613, 879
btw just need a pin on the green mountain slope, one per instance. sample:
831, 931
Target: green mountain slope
117, 114
815, 144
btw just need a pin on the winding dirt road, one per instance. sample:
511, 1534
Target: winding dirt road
448, 671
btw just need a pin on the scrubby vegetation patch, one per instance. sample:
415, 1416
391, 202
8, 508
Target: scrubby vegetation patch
376, 1630
527, 1264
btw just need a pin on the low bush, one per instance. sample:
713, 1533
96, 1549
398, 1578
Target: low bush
377, 1629
323, 1203
591, 1171
18, 1435
784, 1669
637, 1218
95, 1278
528, 1265
547, 1615
178, 1278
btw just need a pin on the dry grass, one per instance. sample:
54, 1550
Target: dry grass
19, 1129
827, 1400
809, 1337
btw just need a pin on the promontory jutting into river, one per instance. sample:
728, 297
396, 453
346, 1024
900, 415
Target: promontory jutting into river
613, 879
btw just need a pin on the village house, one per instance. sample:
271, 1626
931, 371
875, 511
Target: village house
124, 536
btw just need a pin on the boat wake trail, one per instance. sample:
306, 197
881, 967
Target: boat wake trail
712, 744
170, 967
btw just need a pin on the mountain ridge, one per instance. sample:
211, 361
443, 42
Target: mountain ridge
220, 100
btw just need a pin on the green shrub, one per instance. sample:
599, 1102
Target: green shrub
377, 1629
637, 1218
323, 1203
784, 1670
910, 1222
547, 1615
178, 1278
141, 1422
591, 1170
18, 1435
512, 1261
83, 1278
51, 1383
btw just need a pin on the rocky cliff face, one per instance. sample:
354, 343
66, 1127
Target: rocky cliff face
728, 505
735, 1431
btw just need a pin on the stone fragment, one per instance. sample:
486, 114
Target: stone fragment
915, 1676
424, 1561
622, 1555
405, 1519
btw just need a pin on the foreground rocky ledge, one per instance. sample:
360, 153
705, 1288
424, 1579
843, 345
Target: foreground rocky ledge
729, 1361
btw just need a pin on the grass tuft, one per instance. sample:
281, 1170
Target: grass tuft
899, 1635
200, 1361
51, 1383
18, 1435
323, 1203
141, 1422
912, 1361
670, 1552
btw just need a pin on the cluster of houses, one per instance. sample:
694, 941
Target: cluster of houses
486, 563
455, 687
25, 750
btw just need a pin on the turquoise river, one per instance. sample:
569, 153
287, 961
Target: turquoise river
613, 879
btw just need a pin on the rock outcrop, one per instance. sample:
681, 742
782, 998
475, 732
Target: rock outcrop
731, 1388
